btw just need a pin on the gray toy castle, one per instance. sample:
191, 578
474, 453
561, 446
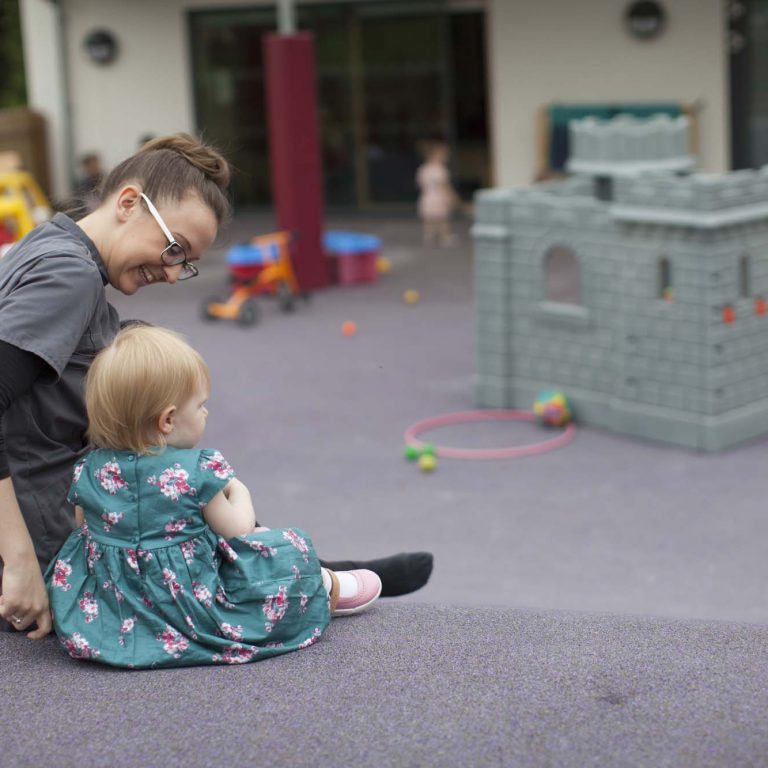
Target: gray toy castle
637, 291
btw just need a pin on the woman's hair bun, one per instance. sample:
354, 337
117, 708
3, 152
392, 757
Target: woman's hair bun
197, 153
170, 167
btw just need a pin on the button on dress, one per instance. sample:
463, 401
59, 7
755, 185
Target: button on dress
146, 583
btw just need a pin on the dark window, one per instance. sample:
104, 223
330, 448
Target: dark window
745, 277
563, 283
665, 279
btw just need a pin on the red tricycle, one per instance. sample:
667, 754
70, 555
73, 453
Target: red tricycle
260, 266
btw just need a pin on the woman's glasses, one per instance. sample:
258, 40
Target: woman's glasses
174, 254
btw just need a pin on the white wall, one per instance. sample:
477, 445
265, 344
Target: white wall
147, 89
578, 50
46, 91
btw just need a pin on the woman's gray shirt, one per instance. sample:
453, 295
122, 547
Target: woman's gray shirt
53, 304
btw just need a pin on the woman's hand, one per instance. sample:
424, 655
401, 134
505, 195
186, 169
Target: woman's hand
24, 597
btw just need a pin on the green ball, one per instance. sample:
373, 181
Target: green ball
429, 450
412, 452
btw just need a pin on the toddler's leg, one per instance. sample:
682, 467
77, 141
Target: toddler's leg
429, 232
351, 591
400, 574
446, 236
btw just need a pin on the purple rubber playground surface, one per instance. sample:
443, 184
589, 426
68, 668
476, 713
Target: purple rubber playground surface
602, 604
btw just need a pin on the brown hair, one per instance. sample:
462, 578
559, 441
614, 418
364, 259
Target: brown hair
132, 381
171, 167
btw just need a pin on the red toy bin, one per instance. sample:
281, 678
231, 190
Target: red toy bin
357, 267
355, 255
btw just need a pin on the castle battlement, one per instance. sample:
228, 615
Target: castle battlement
696, 192
702, 201
629, 146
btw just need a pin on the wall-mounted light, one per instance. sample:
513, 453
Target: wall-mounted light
645, 19
101, 46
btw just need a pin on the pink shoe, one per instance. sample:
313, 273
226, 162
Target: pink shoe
368, 591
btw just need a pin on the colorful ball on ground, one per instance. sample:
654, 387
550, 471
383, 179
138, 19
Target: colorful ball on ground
383, 265
411, 452
552, 408
411, 296
427, 463
428, 450
349, 328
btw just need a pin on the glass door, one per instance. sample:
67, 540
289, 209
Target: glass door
390, 76
228, 83
748, 38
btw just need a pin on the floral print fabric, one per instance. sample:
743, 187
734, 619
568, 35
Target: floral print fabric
146, 583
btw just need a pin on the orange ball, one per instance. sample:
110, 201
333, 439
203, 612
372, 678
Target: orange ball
348, 328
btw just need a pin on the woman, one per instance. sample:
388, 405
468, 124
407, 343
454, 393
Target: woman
159, 211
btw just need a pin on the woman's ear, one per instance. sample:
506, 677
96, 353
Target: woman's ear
128, 199
165, 420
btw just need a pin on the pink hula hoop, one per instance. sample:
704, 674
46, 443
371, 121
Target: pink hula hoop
515, 452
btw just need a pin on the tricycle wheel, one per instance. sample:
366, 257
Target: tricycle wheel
205, 312
285, 296
248, 313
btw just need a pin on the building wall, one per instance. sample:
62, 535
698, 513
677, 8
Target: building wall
560, 50
46, 92
147, 89
538, 52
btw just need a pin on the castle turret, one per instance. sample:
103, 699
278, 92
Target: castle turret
629, 146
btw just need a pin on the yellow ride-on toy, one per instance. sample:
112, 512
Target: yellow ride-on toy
22, 206
261, 266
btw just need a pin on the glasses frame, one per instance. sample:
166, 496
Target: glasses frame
188, 270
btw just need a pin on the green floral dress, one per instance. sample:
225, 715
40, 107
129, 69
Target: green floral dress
145, 583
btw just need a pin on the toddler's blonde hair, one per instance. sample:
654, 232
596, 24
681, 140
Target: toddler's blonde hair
132, 381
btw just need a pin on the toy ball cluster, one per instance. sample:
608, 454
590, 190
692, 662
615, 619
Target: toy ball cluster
425, 455
552, 408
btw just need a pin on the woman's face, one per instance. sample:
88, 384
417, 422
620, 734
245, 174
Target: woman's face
134, 261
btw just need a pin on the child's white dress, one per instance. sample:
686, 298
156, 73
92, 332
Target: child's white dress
436, 194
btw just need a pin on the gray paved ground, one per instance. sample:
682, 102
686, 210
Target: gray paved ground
313, 422
603, 605
406, 686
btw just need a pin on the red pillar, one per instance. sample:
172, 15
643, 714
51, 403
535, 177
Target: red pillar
294, 150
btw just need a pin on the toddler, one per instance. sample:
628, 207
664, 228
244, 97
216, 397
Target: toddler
437, 197
169, 566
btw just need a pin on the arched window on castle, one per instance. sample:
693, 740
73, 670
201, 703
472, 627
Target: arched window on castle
561, 275
745, 276
665, 279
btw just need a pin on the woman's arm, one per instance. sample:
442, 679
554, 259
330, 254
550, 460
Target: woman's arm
24, 594
230, 512
19, 370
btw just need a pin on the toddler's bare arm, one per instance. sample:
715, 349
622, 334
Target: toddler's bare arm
230, 512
